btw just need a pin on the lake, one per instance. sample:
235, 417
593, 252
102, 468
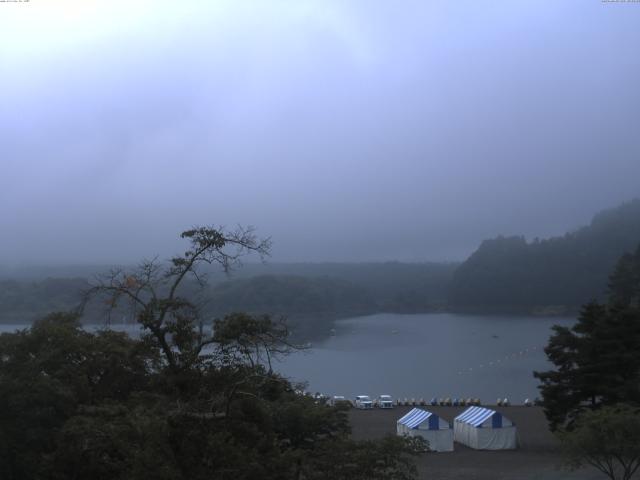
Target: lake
429, 355
423, 356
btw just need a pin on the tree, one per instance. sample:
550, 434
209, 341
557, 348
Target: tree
47, 373
75, 405
177, 403
387, 459
607, 439
153, 293
563, 272
598, 359
624, 282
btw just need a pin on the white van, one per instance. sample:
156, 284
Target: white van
363, 402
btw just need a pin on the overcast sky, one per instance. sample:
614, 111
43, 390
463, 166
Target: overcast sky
345, 130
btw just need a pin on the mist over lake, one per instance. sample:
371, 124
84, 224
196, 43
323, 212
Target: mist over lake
216, 211
420, 356
441, 355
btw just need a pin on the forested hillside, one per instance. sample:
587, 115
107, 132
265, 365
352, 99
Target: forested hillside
395, 286
567, 271
285, 294
505, 273
23, 301
310, 304
310, 296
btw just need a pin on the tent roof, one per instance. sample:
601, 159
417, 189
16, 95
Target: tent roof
415, 417
475, 416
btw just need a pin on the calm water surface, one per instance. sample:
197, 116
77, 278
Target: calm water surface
427, 355
424, 355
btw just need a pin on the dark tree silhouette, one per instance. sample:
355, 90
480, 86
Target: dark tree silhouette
597, 361
152, 290
607, 439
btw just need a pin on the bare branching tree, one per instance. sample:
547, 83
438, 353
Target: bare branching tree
152, 290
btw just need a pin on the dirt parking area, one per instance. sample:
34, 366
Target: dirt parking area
536, 458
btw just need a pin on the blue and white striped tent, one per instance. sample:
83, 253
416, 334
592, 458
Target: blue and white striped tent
484, 429
429, 426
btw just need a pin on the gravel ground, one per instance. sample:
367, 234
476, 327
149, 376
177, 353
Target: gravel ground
536, 458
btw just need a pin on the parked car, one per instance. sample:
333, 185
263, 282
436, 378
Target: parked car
385, 401
339, 400
363, 402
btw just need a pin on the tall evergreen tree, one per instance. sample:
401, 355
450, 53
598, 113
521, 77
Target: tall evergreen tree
624, 282
567, 271
598, 359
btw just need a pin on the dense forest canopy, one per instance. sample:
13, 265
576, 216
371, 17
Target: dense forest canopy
506, 273
509, 272
311, 296
176, 403
80, 405
597, 360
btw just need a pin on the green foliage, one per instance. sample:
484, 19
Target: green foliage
607, 439
112, 441
176, 404
103, 406
388, 459
47, 373
509, 272
28, 300
390, 284
286, 295
624, 282
311, 296
597, 360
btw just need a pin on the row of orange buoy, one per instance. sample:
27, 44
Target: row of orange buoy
499, 361
443, 402
461, 402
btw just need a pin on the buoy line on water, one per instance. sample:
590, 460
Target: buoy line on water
501, 361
